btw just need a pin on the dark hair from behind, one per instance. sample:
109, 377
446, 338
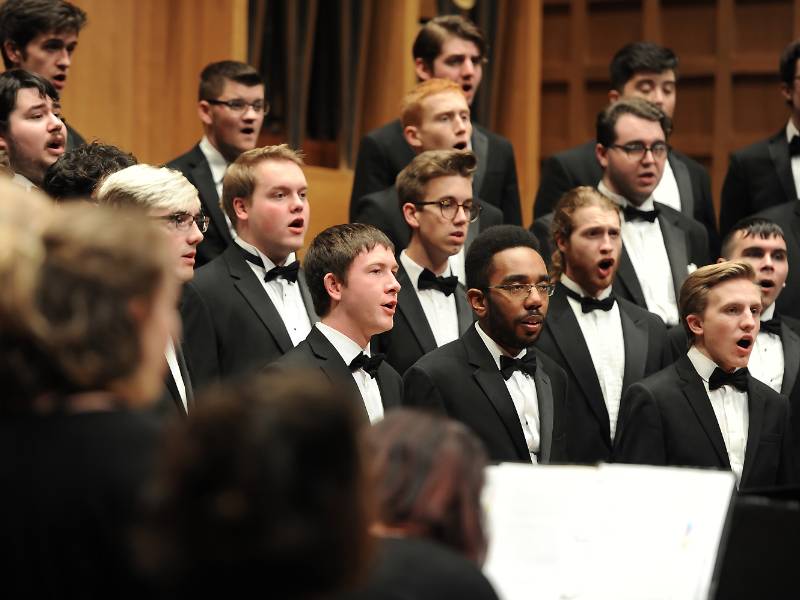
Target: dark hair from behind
428, 477
77, 172
478, 262
640, 57
214, 76
333, 251
11, 82
751, 227
788, 63
638, 107
262, 486
23, 20
431, 37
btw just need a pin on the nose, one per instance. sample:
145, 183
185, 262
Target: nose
748, 321
64, 58
534, 298
55, 123
394, 285
467, 68
657, 97
461, 215
195, 235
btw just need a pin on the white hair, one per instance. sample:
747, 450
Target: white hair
149, 187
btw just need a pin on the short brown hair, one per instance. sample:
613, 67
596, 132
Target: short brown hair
240, 178
333, 251
638, 107
214, 76
693, 298
562, 224
432, 36
411, 113
430, 165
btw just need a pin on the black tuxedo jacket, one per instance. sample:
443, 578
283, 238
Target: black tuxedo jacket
578, 166
74, 139
194, 167
667, 419
171, 401
646, 351
759, 176
382, 210
316, 352
461, 380
411, 336
384, 152
787, 215
230, 326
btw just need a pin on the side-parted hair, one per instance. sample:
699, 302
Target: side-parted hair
640, 57
77, 173
411, 113
693, 298
214, 76
23, 20
478, 262
432, 36
428, 476
562, 225
751, 227
240, 178
333, 251
429, 165
148, 187
14, 80
638, 107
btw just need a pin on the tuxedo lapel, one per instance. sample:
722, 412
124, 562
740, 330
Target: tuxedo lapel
335, 369
634, 335
204, 182
491, 382
779, 152
791, 358
544, 394
677, 252
172, 387
684, 182
408, 303
306, 294
755, 408
465, 315
626, 277
480, 146
187, 380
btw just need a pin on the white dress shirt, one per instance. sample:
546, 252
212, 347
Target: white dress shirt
285, 295
218, 166
439, 309
766, 360
457, 266
791, 131
522, 389
367, 385
666, 191
172, 361
730, 408
602, 331
644, 244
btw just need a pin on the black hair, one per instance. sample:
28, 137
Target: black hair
77, 172
751, 227
638, 107
640, 57
214, 76
478, 262
11, 82
788, 63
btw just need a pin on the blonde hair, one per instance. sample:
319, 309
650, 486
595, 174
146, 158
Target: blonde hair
148, 187
411, 113
240, 178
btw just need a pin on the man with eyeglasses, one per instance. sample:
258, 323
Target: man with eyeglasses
604, 343
231, 107
435, 196
168, 198
492, 379
435, 116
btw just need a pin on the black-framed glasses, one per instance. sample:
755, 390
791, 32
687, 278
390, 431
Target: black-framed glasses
182, 221
523, 290
450, 208
637, 150
238, 105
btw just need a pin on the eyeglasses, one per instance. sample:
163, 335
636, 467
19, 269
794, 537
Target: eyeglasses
523, 290
239, 106
450, 208
182, 221
637, 150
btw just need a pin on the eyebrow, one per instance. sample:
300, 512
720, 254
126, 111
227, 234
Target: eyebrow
520, 278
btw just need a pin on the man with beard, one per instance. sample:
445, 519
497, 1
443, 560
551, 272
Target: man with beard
510, 394
603, 343
31, 132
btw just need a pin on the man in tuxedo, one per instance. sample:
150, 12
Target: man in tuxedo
251, 304
169, 199
78, 172
706, 410
351, 272
40, 36
435, 191
231, 107
447, 47
31, 132
788, 215
767, 173
649, 71
509, 393
602, 342
435, 116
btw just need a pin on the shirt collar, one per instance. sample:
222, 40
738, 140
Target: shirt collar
571, 285
216, 161
622, 200
346, 347
768, 313
702, 364
493, 348
414, 270
268, 264
791, 131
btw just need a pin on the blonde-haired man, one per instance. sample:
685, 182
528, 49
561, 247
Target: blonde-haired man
706, 410
250, 305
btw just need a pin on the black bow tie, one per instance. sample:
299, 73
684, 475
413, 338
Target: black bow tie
288, 272
634, 214
794, 146
427, 280
589, 304
772, 325
737, 379
526, 364
369, 363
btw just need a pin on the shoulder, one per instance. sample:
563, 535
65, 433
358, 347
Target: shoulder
792, 323
550, 366
209, 275
496, 141
442, 360
638, 313
185, 160
781, 214
299, 357
758, 149
386, 134
581, 153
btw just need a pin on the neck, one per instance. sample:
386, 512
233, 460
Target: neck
335, 319
277, 258
590, 290
228, 153
511, 351
426, 257
700, 346
796, 119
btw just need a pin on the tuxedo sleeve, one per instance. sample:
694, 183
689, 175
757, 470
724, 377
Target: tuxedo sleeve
419, 391
734, 203
199, 338
371, 213
554, 182
372, 173
512, 213
787, 471
640, 437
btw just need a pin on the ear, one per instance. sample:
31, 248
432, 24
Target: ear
240, 208
13, 52
411, 133
204, 112
601, 152
721, 260
477, 300
786, 92
695, 324
333, 286
561, 243
410, 215
421, 70
613, 96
